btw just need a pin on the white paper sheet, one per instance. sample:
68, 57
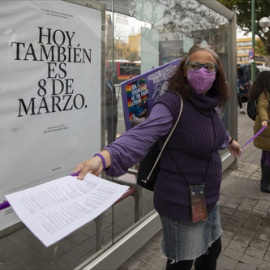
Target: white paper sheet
55, 209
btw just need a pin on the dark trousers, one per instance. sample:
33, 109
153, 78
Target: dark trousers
265, 158
207, 261
239, 99
111, 126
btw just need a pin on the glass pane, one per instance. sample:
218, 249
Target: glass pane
142, 35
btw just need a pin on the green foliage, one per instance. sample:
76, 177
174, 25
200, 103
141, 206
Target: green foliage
260, 48
243, 10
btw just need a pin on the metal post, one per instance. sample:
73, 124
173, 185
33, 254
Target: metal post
253, 69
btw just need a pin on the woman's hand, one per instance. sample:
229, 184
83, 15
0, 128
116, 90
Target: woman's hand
264, 123
94, 165
235, 149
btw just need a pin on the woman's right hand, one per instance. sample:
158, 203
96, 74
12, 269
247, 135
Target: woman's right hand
93, 165
264, 123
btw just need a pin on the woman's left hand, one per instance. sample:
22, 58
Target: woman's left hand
235, 149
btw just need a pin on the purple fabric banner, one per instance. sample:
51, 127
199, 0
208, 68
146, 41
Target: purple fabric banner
140, 93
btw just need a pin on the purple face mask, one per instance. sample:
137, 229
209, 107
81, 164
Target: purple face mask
201, 79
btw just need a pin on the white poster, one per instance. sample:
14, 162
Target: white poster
50, 83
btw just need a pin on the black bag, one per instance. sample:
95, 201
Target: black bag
146, 164
251, 109
149, 165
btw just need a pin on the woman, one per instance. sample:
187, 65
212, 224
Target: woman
239, 98
189, 163
260, 91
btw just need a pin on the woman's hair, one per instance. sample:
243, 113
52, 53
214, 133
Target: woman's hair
260, 84
179, 83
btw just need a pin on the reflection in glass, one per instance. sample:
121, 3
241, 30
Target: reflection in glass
142, 35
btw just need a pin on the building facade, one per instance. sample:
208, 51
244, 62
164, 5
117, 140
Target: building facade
243, 47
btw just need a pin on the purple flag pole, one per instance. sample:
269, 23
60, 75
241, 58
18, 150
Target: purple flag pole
256, 135
4, 205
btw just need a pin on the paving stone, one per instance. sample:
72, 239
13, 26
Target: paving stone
238, 246
264, 265
233, 254
267, 215
61, 263
225, 241
25, 260
257, 243
246, 231
262, 236
241, 215
131, 264
252, 223
251, 260
267, 256
244, 239
245, 266
10, 248
226, 262
255, 252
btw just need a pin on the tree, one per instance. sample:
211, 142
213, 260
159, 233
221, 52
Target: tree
243, 10
260, 48
181, 18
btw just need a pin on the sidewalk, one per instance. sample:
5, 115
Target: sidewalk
245, 217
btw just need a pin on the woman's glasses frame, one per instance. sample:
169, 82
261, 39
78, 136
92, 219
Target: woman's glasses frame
197, 65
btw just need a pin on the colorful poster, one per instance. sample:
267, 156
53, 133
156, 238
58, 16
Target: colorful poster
50, 92
140, 93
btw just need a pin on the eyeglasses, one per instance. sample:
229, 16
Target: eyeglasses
196, 65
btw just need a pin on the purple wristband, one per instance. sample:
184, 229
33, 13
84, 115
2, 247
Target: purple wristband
102, 159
